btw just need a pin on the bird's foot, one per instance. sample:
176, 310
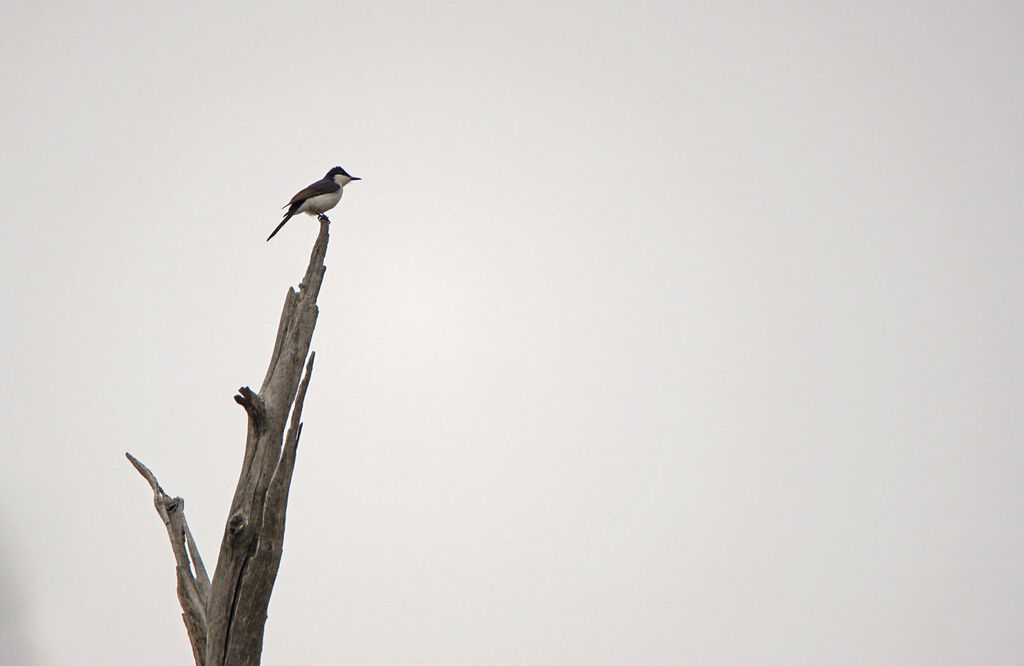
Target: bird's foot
323, 218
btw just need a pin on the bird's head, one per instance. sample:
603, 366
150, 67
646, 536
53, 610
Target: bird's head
340, 176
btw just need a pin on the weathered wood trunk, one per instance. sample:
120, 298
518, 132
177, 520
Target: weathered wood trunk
225, 617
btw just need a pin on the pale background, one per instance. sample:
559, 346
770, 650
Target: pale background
657, 332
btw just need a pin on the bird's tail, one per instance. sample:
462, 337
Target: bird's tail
287, 216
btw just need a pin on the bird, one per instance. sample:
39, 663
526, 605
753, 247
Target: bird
318, 198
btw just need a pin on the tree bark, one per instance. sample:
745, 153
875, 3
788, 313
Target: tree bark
225, 617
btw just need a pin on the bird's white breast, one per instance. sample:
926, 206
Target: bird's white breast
320, 203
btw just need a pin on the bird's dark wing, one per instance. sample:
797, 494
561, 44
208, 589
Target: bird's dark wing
319, 187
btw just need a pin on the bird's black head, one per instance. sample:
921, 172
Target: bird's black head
338, 171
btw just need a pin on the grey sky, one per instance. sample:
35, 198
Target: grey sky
656, 333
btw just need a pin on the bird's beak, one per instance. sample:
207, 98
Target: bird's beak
355, 178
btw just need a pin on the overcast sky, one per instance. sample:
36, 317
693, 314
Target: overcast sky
656, 332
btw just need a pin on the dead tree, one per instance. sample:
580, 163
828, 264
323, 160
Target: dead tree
225, 616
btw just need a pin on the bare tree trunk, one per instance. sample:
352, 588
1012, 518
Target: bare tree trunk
225, 617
